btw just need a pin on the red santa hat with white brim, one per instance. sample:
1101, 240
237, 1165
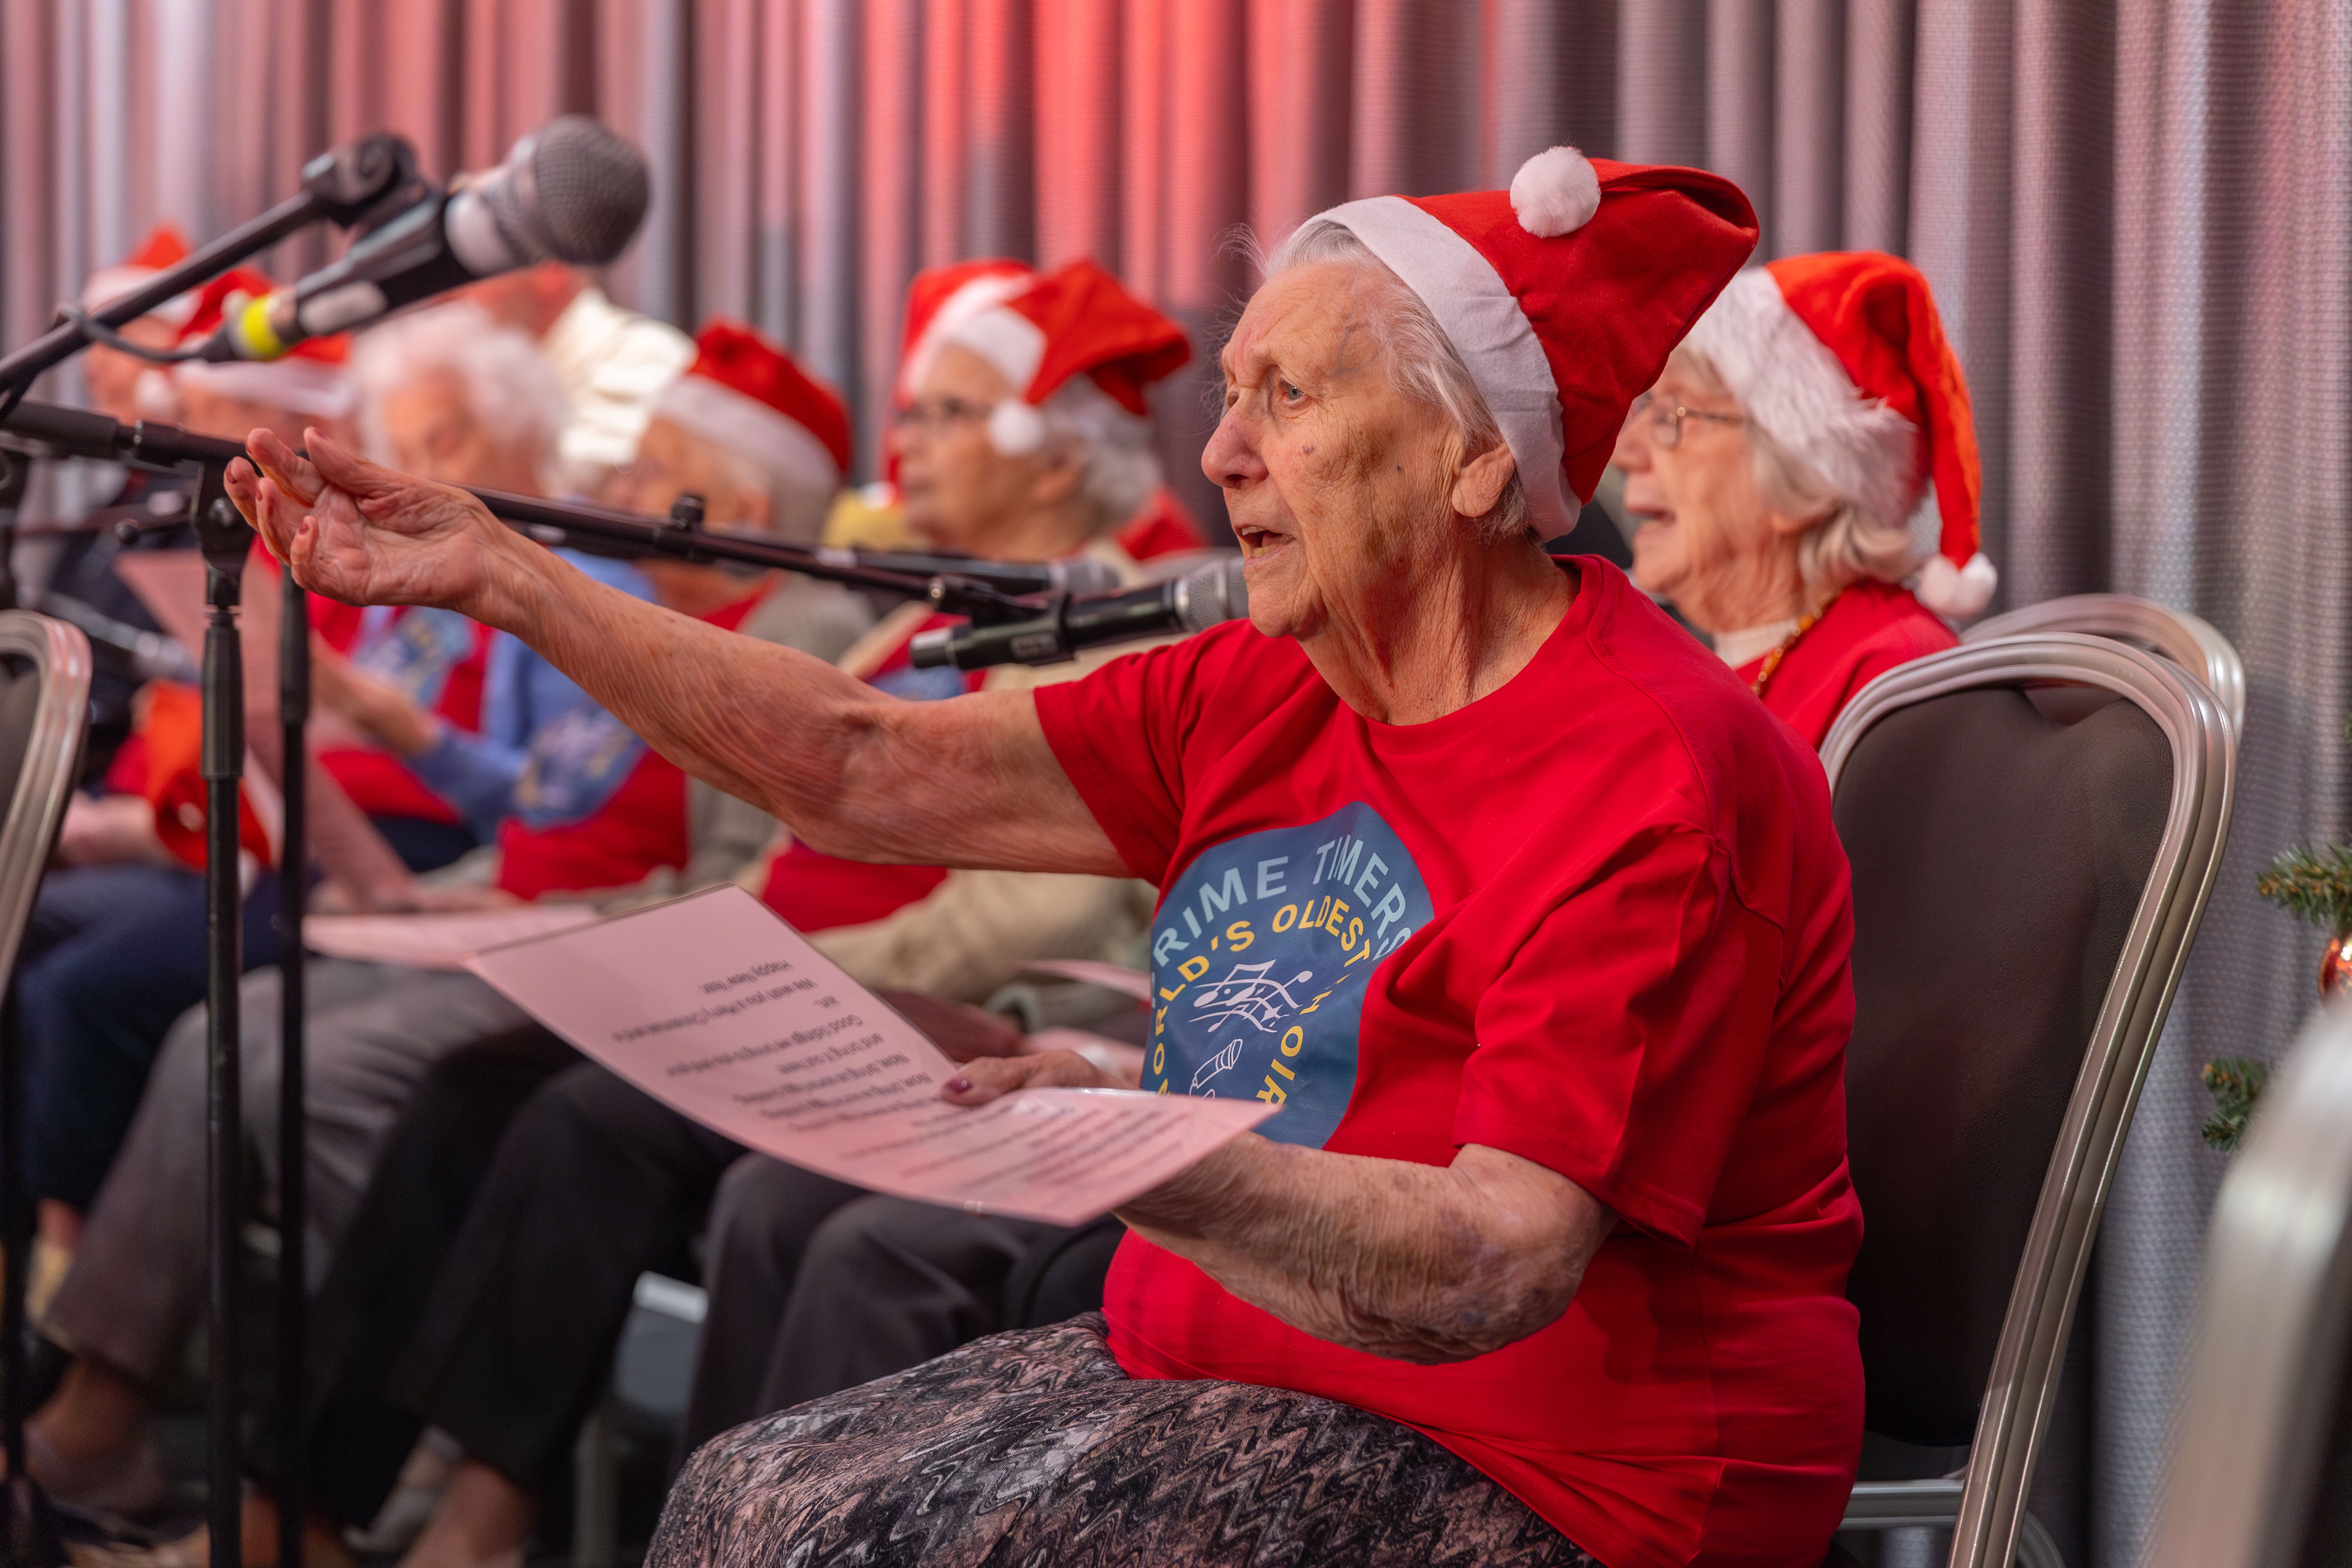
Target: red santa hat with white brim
1841, 359
942, 301
746, 395
1563, 296
309, 380
165, 246
1076, 320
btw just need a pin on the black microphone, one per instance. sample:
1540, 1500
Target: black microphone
1071, 575
571, 191
1193, 602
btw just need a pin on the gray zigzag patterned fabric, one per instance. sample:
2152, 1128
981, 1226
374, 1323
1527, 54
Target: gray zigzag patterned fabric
1035, 1448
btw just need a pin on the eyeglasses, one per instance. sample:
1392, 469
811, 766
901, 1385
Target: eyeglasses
1664, 425
928, 415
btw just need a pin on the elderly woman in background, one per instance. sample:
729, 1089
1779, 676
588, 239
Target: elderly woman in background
1805, 478
1543, 1259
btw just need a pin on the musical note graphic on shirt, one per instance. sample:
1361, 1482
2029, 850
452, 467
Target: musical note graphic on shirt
1219, 1063
1248, 993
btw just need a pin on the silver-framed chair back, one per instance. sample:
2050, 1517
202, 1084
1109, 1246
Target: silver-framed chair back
2266, 1369
1985, 1505
59, 658
2189, 641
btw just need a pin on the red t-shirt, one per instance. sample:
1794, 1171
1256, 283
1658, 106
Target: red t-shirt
1871, 629
1596, 919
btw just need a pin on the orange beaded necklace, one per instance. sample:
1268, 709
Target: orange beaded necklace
1805, 623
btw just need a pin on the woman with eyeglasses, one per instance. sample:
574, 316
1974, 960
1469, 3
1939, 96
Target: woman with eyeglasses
1804, 475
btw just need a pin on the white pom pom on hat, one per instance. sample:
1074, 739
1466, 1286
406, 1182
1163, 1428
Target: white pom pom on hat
1956, 592
1015, 428
1555, 192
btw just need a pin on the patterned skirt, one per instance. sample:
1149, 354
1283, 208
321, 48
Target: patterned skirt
1034, 1448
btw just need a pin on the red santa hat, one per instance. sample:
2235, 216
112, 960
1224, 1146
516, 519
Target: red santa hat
943, 298
750, 396
308, 381
165, 246
1841, 359
1074, 321
1563, 296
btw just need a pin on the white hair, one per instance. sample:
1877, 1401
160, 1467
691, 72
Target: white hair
1852, 541
509, 385
1422, 363
1118, 469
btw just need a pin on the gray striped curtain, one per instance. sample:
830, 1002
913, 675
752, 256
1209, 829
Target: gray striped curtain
2137, 214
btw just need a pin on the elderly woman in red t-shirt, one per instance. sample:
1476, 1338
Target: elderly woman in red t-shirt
1805, 477
1523, 912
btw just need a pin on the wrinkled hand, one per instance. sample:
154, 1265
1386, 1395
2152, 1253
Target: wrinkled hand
361, 533
991, 1077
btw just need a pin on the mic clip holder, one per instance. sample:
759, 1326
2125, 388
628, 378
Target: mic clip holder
360, 185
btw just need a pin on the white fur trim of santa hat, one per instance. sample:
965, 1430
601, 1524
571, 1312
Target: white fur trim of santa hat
1016, 346
982, 295
1789, 383
303, 387
749, 428
1481, 319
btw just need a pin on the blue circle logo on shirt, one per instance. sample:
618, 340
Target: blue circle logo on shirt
1259, 956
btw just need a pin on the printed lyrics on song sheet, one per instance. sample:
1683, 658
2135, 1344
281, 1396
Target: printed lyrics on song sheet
716, 1007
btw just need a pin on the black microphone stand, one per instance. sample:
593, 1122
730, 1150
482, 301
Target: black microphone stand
293, 1164
221, 535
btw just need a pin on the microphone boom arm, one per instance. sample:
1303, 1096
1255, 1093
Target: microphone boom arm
345, 186
79, 433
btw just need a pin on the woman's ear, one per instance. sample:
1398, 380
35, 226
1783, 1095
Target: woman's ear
1056, 481
757, 509
1478, 484
1789, 526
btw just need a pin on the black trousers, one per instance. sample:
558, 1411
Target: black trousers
380, 1278
484, 1283
596, 1182
815, 1287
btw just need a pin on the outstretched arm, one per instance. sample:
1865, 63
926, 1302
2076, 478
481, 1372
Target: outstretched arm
966, 782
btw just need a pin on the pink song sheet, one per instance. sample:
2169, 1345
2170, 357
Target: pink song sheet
713, 1006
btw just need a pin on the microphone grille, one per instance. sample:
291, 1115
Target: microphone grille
575, 191
1214, 594
1084, 575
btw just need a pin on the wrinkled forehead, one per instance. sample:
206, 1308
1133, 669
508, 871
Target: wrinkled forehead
1311, 318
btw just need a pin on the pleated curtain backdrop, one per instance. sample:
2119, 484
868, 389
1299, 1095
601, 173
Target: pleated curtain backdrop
2137, 214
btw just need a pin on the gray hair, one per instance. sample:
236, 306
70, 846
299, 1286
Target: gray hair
1422, 361
1118, 469
1848, 543
798, 506
509, 385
